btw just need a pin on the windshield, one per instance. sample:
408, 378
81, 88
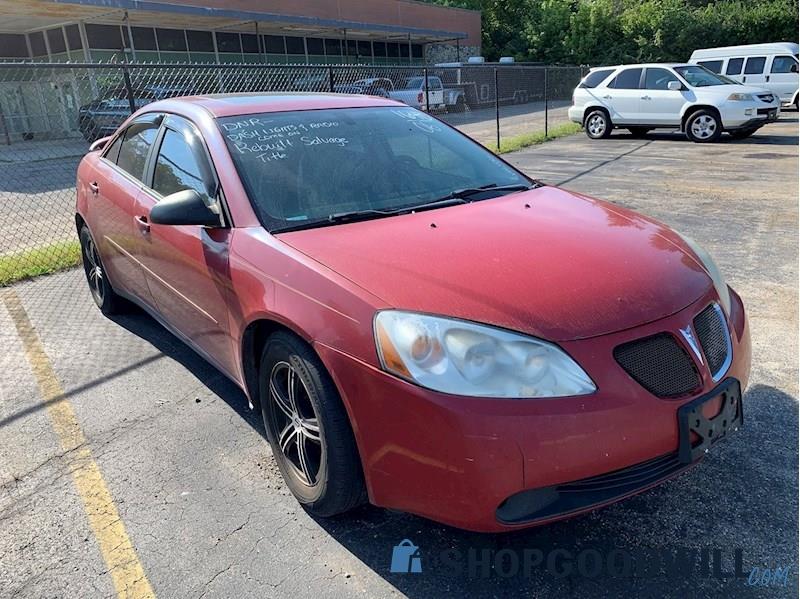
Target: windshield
300, 168
698, 76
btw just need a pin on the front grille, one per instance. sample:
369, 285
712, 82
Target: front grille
713, 335
659, 365
766, 111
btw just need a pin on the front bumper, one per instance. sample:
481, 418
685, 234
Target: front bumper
458, 459
751, 115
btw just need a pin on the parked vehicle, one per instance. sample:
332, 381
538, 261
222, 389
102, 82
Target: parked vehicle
374, 86
411, 332
769, 66
686, 97
104, 115
412, 92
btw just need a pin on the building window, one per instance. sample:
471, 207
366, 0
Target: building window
365, 49
416, 50
333, 47
200, 41
144, 38
315, 46
103, 37
404, 51
74, 37
249, 43
273, 44
37, 44
228, 42
55, 38
352, 48
12, 45
171, 40
392, 50
295, 45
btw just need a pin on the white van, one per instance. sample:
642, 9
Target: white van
769, 66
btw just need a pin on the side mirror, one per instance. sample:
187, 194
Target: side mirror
674, 85
793, 68
99, 144
185, 207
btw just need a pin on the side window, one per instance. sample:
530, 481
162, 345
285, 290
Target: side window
435, 83
134, 149
627, 79
715, 66
755, 65
658, 78
734, 66
783, 64
177, 168
112, 153
595, 78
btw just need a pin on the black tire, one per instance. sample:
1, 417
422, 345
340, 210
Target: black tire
597, 124
328, 480
703, 126
100, 287
742, 133
639, 131
460, 105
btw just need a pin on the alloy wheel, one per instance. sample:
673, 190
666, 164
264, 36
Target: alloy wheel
93, 268
295, 421
596, 125
704, 126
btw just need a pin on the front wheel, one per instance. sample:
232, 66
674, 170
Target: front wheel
308, 428
103, 294
598, 124
703, 126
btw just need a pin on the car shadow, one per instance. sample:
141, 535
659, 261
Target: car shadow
675, 136
743, 497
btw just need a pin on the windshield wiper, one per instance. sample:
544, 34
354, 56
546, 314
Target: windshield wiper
467, 192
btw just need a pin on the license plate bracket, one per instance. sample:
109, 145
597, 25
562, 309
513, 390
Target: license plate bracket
699, 432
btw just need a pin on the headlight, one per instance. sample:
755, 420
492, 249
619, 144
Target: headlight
465, 358
713, 271
741, 98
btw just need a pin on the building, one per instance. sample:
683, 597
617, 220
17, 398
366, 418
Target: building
238, 31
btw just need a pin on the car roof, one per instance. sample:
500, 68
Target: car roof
671, 65
222, 105
744, 50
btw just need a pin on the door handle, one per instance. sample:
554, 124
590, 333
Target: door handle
767, 78
645, 97
94, 187
606, 97
141, 222
744, 79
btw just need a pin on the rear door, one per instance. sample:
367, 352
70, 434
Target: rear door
755, 71
660, 105
622, 96
115, 191
187, 266
783, 77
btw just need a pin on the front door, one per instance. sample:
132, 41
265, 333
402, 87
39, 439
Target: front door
187, 265
659, 104
783, 77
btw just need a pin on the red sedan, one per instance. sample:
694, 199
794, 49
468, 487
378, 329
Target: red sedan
421, 325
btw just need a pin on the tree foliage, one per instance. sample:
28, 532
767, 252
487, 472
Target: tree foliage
613, 31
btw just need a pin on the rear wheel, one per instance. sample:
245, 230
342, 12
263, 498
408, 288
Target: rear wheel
597, 124
639, 131
308, 428
703, 126
103, 294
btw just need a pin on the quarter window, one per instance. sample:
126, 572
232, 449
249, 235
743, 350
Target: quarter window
627, 79
734, 66
595, 78
783, 64
658, 79
177, 168
754, 65
715, 66
134, 149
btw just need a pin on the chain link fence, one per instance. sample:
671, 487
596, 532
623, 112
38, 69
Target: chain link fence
50, 113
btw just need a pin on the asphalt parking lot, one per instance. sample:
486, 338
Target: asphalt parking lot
184, 494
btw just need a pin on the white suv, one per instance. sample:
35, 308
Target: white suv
678, 96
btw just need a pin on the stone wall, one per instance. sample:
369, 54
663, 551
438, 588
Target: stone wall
436, 53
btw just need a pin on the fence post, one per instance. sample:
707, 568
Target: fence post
128, 88
425, 83
4, 126
497, 108
330, 78
545, 101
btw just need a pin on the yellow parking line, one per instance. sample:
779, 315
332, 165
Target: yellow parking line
121, 560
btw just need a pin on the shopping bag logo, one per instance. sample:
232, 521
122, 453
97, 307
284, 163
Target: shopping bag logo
406, 558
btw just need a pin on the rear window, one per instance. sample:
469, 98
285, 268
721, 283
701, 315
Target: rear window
595, 78
715, 66
627, 79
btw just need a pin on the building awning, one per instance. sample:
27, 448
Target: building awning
23, 17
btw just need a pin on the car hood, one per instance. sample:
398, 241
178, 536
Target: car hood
735, 89
547, 262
